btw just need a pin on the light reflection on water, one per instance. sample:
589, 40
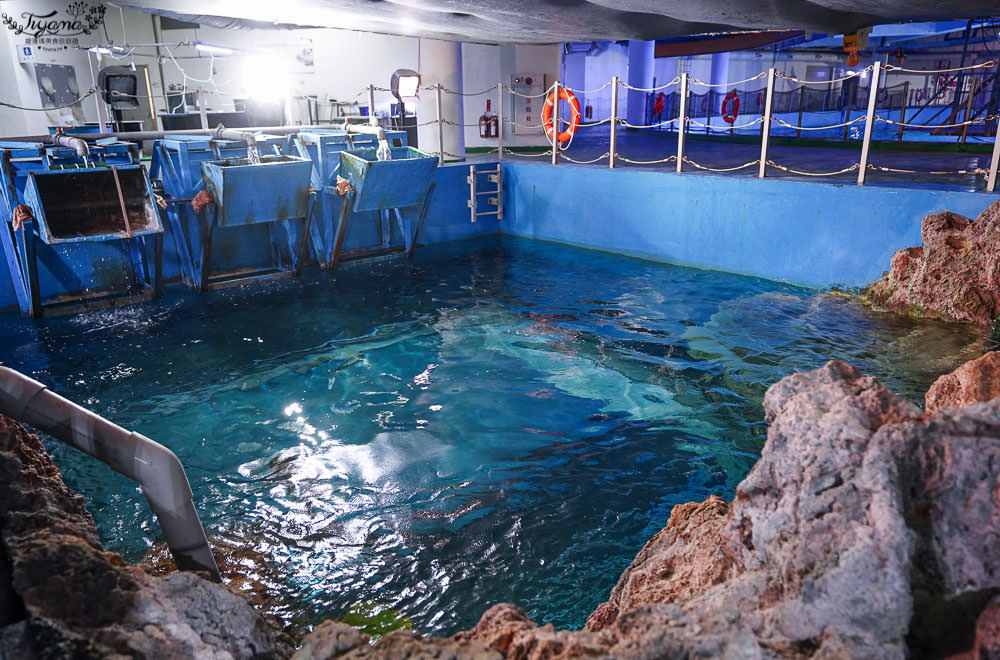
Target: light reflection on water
508, 424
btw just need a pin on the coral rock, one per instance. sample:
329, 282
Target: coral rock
955, 275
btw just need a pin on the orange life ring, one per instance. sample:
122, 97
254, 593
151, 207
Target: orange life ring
574, 122
733, 101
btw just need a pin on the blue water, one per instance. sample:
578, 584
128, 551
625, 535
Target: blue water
495, 421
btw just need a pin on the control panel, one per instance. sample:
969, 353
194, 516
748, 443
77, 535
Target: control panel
527, 111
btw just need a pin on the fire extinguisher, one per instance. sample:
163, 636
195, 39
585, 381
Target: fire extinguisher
489, 124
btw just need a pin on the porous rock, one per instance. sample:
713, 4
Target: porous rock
74, 599
955, 274
975, 381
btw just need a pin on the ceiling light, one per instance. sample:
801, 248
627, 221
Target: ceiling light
213, 50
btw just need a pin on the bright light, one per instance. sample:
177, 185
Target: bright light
408, 86
266, 78
213, 50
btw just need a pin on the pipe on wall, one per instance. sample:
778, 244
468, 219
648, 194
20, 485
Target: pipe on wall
157, 469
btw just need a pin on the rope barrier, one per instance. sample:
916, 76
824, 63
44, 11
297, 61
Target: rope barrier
588, 162
967, 122
977, 170
825, 82
524, 153
698, 124
526, 96
785, 124
675, 81
721, 169
514, 123
802, 173
668, 159
89, 93
984, 65
485, 91
589, 91
695, 81
625, 123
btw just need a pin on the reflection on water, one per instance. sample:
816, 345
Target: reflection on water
507, 424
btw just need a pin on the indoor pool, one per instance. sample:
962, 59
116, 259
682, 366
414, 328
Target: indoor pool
501, 420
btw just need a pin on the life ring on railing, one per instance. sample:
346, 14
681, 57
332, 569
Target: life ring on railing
574, 122
731, 107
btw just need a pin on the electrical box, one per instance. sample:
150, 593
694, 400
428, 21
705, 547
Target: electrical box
527, 111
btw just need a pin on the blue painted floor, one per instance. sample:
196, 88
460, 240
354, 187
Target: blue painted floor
650, 145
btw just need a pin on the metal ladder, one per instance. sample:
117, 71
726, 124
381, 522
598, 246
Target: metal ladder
494, 176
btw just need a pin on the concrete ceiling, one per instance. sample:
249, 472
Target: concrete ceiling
551, 21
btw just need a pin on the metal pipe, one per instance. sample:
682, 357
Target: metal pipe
140, 136
237, 134
555, 122
73, 142
869, 122
440, 123
765, 127
682, 121
157, 470
499, 121
613, 142
372, 119
383, 152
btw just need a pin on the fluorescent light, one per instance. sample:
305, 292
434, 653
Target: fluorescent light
213, 50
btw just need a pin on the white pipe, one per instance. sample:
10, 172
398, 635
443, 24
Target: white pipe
383, 152
157, 470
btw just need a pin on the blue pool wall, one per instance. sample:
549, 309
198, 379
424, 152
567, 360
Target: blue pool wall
815, 234
801, 232
101, 265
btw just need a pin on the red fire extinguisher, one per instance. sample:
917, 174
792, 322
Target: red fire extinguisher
489, 124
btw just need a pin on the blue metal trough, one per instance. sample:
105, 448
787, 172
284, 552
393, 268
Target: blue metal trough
258, 220
85, 226
400, 186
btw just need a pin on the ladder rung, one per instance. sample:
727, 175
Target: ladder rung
487, 192
488, 213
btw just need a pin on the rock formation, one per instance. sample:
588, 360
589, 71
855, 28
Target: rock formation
975, 381
867, 529
63, 595
955, 275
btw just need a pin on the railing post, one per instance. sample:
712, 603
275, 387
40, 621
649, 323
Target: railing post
765, 134
499, 121
869, 121
991, 178
902, 109
555, 122
613, 144
440, 123
802, 103
202, 110
682, 121
372, 120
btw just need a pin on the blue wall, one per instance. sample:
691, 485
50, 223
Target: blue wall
101, 264
802, 232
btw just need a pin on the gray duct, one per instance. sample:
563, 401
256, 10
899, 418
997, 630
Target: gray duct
81, 146
157, 470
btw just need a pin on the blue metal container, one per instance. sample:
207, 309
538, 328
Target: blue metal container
275, 189
382, 184
73, 206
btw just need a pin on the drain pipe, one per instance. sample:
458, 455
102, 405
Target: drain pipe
81, 146
157, 470
383, 152
223, 133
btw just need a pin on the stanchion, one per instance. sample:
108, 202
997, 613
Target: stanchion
869, 122
682, 122
555, 122
613, 145
765, 127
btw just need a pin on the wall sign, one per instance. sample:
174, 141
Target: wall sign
78, 18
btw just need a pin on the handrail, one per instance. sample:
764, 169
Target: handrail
157, 469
